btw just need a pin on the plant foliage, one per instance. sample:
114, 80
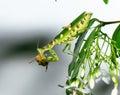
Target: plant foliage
90, 53
106, 1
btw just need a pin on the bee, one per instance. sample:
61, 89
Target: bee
41, 61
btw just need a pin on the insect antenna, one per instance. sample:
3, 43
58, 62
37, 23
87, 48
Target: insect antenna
37, 44
33, 59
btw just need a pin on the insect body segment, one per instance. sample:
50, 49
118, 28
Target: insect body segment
71, 32
74, 29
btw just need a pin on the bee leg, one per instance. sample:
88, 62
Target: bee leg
46, 68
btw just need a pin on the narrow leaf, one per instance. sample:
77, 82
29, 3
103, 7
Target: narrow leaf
76, 52
116, 38
78, 47
83, 53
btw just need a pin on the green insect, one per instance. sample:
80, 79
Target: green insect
71, 32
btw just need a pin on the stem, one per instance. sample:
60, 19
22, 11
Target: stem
111, 22
106, 23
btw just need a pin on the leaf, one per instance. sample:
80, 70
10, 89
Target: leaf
78, 47
116, 44
76, 52
106, 1
83, 52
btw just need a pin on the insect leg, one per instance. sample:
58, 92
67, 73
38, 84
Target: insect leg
67, 47
53, 56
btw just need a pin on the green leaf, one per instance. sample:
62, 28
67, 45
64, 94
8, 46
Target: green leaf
76, 52
78, 47
106, 1
83, 52
116, 43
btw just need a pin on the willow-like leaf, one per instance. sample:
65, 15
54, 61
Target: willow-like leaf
78, 47
83, 51
76, 52
116, 43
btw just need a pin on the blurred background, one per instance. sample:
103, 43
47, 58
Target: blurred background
27, 24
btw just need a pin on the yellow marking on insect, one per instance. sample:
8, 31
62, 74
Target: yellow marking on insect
75, 29
61, 35
53, 42
69, 27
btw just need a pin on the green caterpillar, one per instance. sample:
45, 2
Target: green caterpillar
71, 32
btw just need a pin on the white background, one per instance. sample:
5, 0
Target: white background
25, 22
